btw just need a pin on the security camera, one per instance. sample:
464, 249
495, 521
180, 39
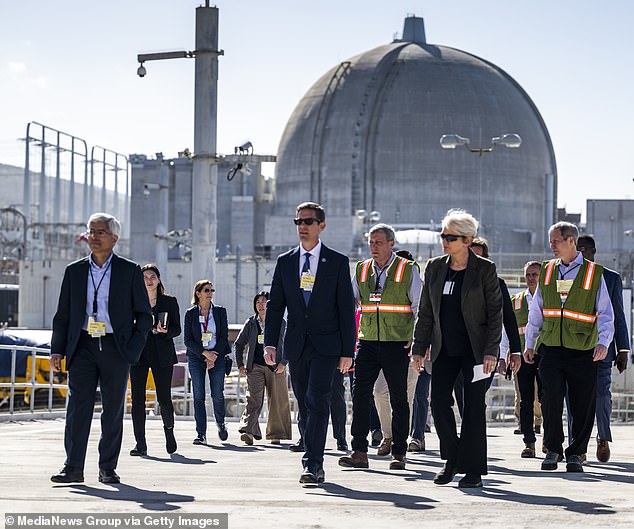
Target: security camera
141, 71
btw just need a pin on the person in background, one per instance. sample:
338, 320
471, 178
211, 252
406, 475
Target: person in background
159, 355
207, 341
617, 351
261, 377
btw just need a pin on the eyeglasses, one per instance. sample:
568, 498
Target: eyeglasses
450, 237
98, 233
209, 289
308, 222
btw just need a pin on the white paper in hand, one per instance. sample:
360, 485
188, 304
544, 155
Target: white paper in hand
478, 373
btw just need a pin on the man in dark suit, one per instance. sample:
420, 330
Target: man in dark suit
620, 343
312, 282
102, 320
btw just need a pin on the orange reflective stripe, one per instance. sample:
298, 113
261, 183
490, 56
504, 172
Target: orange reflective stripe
549, 271
521, 330
518, 303
400, 270
386, 308
365, 269
587, 280
570, 314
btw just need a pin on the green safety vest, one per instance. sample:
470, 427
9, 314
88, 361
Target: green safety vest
573, 323
520, 308
391, 319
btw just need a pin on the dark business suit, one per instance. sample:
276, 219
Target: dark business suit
317, 335
481, 307
104, 362
621, 341
159, 354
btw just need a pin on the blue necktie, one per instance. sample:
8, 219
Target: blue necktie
306, 268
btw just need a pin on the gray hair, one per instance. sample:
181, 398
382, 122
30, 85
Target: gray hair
460, 221
385, 228
566, 229
531, 263
114, 226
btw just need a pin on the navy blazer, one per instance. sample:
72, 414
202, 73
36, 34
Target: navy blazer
128, 308
621, 336
328, 320
193, 336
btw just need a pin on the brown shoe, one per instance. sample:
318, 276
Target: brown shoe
355, 460
529, 451
385, 448
398, 462
603, 450
584, 458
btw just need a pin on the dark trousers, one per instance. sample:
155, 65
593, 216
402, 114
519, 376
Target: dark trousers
393, 359
559, 368
311, 377
338, 407
468, 452
526, 377
90, 367
163, 382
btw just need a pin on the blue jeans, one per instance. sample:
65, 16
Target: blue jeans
421, 405
197, 369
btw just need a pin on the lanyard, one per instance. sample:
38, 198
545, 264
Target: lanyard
377, 282
206, 323
562, 275
96, 288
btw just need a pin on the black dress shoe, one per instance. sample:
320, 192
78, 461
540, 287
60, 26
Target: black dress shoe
312, 477
470, 481
377, 437
342, 446
170, 440
223, 434
297, 447
108, 476
446, 475
68, 475
136, 451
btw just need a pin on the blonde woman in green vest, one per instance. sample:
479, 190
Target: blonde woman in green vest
571, 314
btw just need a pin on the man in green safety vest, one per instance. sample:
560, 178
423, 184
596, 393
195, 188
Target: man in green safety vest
571, 313
387, 290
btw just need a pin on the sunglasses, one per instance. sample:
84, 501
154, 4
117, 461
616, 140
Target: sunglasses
450, 237
209, 289
308, 222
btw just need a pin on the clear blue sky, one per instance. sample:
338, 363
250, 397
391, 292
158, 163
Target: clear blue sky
71, 64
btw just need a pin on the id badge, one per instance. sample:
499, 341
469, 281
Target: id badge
375, 297
206, 339
307, 282
261, 339
96, 329
448, 288
564, 285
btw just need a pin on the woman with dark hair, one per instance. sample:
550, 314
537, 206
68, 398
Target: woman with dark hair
261, 376
159, 355
459, 328
207, 342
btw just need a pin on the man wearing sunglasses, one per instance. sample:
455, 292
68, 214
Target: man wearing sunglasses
312, 283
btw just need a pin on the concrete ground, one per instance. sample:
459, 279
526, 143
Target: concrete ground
258, 485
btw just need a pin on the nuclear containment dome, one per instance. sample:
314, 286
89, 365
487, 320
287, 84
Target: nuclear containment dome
365, 137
